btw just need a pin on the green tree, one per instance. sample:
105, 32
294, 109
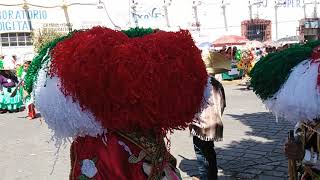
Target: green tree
44, 36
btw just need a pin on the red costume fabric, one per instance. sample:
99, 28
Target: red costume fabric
31, 111
143, 82
111, 158
147, 84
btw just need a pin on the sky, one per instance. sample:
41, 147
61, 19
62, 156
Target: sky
150, 13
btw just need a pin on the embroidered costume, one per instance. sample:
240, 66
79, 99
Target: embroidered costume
8, 83
246, 61
288, 82
151, 82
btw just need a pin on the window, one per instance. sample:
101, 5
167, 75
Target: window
16, 39
4, 40
21, 39
256, 32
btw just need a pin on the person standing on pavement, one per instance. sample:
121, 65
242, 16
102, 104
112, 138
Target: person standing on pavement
29, 99
1, 62
207, 128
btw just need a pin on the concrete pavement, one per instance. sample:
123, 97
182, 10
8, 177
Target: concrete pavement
251, 149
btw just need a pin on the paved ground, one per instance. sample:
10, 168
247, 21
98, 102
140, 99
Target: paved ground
252, 146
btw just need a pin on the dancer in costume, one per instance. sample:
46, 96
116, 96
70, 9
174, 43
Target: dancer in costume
9, 103
288, 82
246, 63
151, 83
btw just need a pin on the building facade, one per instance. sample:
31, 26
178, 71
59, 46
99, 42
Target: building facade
257, 29
309, 29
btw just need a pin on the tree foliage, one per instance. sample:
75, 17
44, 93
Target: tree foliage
43, 37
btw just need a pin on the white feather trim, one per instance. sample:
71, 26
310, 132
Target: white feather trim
298, 99
63, 116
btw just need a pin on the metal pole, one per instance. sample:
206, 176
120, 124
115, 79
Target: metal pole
129, 13
304, 10
276, 18
250, 10
195, 10
134, 6
315, 14
224, 15
26, 10
66, 15
257, 11
166, 12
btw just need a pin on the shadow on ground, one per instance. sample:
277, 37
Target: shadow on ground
258, 156
189, 166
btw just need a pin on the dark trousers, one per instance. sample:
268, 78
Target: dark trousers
206, 157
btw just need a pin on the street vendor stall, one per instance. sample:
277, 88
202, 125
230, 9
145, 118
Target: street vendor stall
288, 83
231, 41
215, 62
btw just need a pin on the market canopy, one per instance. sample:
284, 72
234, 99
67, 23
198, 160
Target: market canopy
204, 45
254, 44
271, 43
230, 40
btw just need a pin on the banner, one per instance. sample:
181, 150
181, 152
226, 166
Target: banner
281, 3
147, 16
17, 20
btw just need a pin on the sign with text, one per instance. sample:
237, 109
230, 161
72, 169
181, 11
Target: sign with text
17, 20
148, 16
281, 3
58, 27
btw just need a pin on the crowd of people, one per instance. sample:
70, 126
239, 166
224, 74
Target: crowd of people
243, 59
13, 97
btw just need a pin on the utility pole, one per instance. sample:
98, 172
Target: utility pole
276, 6
165, 6
223, 6
26, 10
195, 5
258, 3
134, 13
304, 10
315, 9
276, 20
250, 10
66, 15
129, 10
